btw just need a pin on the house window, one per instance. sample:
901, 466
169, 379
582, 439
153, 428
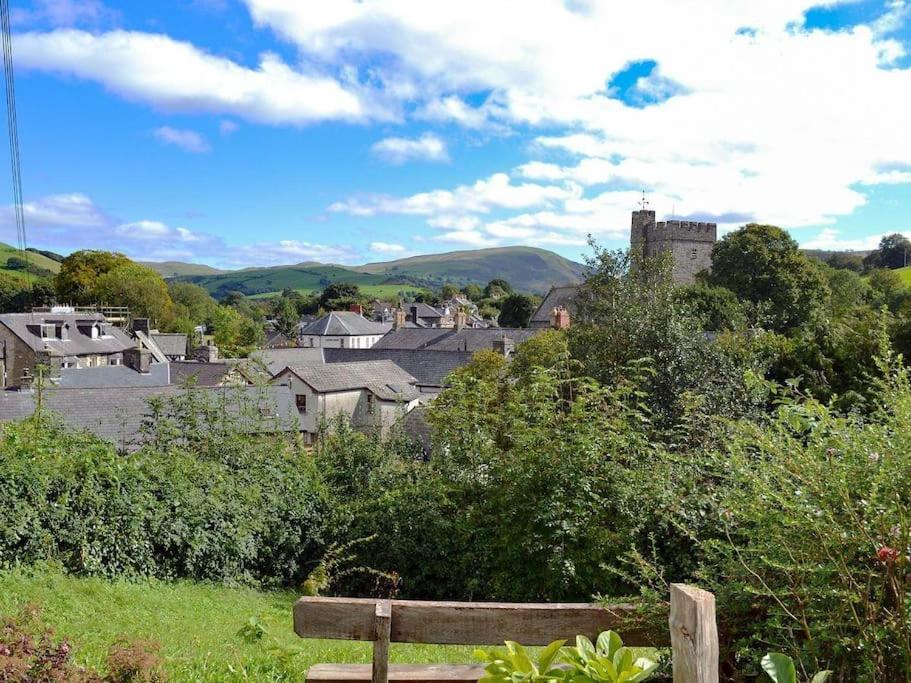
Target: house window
115, 361
301, 401
94, 331
693, 254
48, 331
370, 403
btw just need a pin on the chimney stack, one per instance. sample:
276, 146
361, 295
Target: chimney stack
398, 318
504, 346
461, 318
138, 359
356, 308
207, 353
141, 325
414, 314
559, 318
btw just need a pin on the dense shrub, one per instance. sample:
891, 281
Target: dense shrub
250, 510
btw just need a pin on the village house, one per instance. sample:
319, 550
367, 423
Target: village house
558, 298
58, 340
343, 329
371, 394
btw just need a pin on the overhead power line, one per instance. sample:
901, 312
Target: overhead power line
13, 133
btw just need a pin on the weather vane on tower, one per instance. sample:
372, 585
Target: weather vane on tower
643, 203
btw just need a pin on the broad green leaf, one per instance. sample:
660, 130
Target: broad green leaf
779, 667
821, 677
608, 643
548, 654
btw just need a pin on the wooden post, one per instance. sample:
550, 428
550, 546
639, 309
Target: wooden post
382, 629
694, 635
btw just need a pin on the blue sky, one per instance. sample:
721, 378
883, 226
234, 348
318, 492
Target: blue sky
260, 132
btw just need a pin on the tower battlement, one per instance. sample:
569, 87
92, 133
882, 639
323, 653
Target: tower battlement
689, 242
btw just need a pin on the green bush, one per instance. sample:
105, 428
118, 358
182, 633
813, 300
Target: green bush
249, 511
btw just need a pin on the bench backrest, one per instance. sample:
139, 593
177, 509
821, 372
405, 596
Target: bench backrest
693, 633
462, 623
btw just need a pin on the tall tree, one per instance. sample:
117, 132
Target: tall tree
894, 251
516, 310
80, 271
763, 265
139, 288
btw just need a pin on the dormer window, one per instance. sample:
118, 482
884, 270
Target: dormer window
48, 331
96, 332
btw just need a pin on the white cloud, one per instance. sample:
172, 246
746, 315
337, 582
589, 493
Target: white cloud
496, 191
830, 238
387, 248
178, 76
187, 140
428, 147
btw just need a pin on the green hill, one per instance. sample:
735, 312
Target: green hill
905, 274
179, 268
42, 266
526, 268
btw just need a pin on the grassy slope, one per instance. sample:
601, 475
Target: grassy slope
177, 268
196, 625
6, 251
528, 269
905, 274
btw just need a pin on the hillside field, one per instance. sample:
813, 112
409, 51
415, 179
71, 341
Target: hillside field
905, 274
196, 624
7, 251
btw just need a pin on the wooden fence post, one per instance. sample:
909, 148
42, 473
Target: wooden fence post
694, 635
382, 630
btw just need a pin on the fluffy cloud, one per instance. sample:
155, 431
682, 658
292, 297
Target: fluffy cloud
428, 147
67, 222
496, 191
188, 140
178, 76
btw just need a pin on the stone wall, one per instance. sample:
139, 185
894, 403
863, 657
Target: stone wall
689, 243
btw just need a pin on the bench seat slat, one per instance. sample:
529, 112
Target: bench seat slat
410, 673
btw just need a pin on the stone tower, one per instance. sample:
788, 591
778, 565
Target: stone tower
689, 242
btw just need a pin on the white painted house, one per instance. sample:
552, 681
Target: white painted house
343, 330
373, 394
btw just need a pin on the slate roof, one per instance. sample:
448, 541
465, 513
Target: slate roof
202, 374
430, 368
277, 360
468, 339
117, 415
171, 343
344, 324
113, 376
424, 311
382, 377
557, 296
25, 326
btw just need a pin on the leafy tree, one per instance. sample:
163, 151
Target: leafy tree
286, 317
627, 324
473, 292
496, 288
516, 310
763, 265
716, 308
79, 273
894, 251
888, 288
191, 302
338, 296
845, 260
448, 291
138, 287
847, 290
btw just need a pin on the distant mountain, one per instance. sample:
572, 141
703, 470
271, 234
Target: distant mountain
178, 268
526, 268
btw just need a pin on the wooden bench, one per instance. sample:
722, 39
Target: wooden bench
693, 635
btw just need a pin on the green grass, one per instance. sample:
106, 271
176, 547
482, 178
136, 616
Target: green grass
905, 274
382, 292
196, 625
